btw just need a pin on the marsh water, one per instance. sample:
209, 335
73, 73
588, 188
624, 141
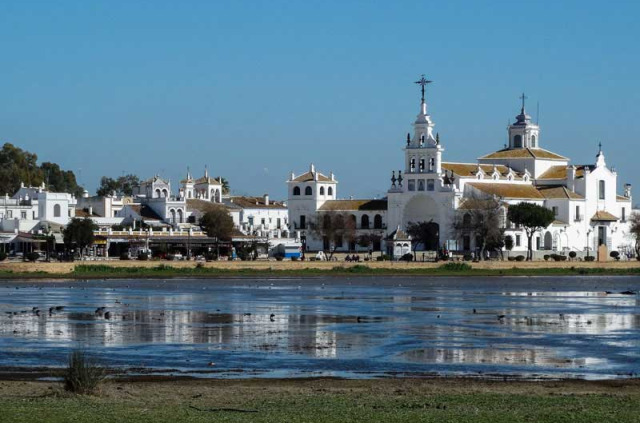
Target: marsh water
530, 327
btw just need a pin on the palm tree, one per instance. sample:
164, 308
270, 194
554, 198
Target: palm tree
225, 185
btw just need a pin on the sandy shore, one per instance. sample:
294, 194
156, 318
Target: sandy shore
65, 268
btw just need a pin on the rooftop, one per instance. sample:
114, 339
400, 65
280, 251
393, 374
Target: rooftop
352, 205
559, 191
309, 176
508, 190
524, 153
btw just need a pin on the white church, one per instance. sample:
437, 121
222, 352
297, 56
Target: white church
589, 212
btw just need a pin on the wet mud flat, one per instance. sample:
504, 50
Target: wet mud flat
362, 327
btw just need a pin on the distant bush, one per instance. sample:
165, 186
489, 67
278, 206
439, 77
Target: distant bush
82, 376
3, 256
572, 254
558, 257
143, 256
199, 265
294, 258
546, 257
520, 258
33, 256
407, 257
614, 255
467, 257
125, 256
589, 258
511, 258
456, 266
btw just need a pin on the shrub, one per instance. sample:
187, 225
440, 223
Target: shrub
125, 256
614, 255
589, 258
279, 258
32, 256
572, 254
546, 257
294, 258
456, 266
143, 256
199, 265
511, 258
407, 257
467, 257
3, 256
520, 258
82, 375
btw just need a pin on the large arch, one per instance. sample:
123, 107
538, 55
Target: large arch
172, 214
421, 208
165, 193
377, 222
180, 216
57, 211
364, 221
308, 191
296, 190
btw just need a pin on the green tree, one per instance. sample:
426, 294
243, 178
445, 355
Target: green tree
79, 233
58, 180
225, 185
17, 166
425, 233
481, 218
532, 218
334, 227
122, 185
508, 243
634, 229
217, 223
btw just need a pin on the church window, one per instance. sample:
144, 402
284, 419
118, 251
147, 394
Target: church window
533, 141
412, 164
165, 193
10, 214
601, 192
430, 185
364, 221
412, 185
157, 193
308, 191
296, 190
432, 164
555, 210
421, 185
330, 191
180, 216
421, 165
303, 222
23, 215
321, 190
377, 222
56, 210
518, 240
517, 141
624, 214
578, 217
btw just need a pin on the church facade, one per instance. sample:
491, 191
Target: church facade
427, 188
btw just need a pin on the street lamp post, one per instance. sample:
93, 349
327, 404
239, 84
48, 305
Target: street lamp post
588, 233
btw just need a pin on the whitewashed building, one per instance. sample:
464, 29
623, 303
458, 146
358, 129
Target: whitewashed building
426, 188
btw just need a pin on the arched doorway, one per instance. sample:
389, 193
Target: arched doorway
548, 241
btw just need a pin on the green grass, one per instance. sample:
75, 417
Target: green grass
103, 271
322, 407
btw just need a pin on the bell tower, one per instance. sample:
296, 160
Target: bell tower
523, 133
423, 151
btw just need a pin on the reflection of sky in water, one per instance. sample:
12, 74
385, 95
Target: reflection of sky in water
359, 327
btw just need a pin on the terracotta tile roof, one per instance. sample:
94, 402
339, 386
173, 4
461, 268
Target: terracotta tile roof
207, 180
470, 169
255, 203
307, 177
145, 212
340, 205
622, 198
524, 153
201, 205
559, 222
508, 190
555, 172
558, 191
604, 216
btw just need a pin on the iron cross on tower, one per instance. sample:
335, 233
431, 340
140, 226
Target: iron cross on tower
523, 98
423, 83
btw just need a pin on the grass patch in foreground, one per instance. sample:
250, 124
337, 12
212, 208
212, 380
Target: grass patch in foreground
348, 406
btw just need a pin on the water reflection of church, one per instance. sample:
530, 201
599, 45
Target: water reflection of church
588, 210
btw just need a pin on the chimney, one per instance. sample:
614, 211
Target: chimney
266, 199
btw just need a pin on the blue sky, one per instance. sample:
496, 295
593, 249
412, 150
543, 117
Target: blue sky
258, 89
